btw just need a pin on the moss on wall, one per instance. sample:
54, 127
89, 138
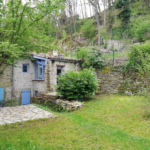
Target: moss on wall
106, 70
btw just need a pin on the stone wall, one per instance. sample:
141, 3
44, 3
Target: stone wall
22, 81
6, 82
111, 76
110, 79
117, 45
26, 81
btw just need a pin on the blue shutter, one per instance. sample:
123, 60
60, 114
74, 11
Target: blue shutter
25, 97
40, 71
36, 93
1, 95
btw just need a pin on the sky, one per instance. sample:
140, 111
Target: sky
85, 8
79, 11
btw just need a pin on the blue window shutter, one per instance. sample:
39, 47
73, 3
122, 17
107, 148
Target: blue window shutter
39, 69
1, 94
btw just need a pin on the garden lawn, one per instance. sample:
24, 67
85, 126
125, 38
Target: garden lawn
107, 122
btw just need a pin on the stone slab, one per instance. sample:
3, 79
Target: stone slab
22, 113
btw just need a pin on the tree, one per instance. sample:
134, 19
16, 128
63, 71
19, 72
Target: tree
125, 13
95, 6
24, 29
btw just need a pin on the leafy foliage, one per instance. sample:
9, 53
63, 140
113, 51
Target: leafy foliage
88, 30
139, 62
25, 29
91, 57
141, 28
139, 58
125, 14
77, 85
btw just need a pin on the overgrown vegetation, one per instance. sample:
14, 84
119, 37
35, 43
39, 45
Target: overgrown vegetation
126, 20
8, 102
25, 29
125, 14
77, 85
136, 70
88, 29
139, 63
140, 28
91, 57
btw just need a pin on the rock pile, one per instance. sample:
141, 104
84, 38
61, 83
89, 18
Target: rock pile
68, 105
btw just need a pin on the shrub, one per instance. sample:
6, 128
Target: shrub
141, 29
88, 29
91, 57
76, 85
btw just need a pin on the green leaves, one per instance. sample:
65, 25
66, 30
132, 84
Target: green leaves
77, 85
88, 29
139, 59
141, 28
91, 57
26, 27
125, 13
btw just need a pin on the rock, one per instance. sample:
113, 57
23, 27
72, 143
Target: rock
67, 105
129, 93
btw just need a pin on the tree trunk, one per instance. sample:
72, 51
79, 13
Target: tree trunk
85, 9
98, 22
104, 4
82, 9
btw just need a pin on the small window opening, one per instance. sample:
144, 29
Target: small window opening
36, 93
25, 68
59, 71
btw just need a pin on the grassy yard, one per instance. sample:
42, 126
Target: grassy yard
107, 122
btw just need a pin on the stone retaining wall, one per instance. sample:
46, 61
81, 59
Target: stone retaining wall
110, 79
6, 82
57, 104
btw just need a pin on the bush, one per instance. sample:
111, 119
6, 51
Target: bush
91, 57
141, 29
88, 29
76, 85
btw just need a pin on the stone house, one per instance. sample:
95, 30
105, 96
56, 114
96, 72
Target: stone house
31, 77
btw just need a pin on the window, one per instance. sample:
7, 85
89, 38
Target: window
36, 93
39, 69
59, 71
25, 68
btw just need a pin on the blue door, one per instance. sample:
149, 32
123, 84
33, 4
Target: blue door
1, 95
25, 94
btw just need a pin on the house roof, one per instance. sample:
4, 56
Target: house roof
43, 55
56, 58
61, 58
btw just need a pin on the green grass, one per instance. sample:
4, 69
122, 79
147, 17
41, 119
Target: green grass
105, 123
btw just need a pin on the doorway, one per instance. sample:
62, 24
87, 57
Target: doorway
59, 71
